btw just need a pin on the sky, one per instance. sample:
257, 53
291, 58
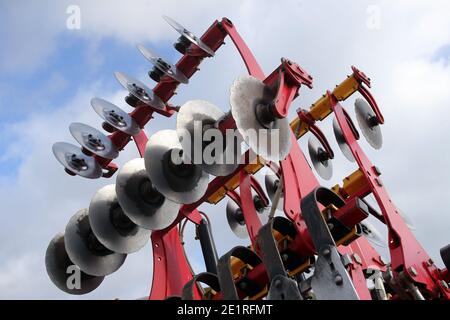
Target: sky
49, 73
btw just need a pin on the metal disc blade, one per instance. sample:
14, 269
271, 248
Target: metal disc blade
272, 144
111, 226
340, 139
271, 182
189, 35
180, 183
141, 202
162, 65
93, 140
370, 130
323, 167
74, 160
59, 268
115, 116
236, 220
140, 90
372, 234
192, 118
86, 251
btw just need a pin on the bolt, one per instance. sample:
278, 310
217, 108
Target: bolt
243, 285
413, 271
326, 252
338, 280
284, 257
357, 258
378, 181
277, 283
377, 170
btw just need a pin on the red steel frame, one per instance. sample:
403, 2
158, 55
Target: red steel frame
170, 267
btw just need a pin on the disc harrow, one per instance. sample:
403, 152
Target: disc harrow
306, 241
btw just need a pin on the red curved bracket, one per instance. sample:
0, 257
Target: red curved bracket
364, 80
249, 59
298, 181
351, 124
315, 130
170, 268
259, 190
251, 218
141, 142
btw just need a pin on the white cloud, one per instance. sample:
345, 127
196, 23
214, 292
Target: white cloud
325, 38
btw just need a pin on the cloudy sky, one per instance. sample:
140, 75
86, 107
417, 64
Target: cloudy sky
49, 73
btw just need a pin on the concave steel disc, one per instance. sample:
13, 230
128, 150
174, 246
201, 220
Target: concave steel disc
111, 226
321, 163
271, 182
246, 94
183, 183
340, 139
74, 160
86, 251
115, 116
235, 217
93, 140
193, 118
167, 68
372, 234
140, 90
141, 202
59, 268
189, 35
368, 123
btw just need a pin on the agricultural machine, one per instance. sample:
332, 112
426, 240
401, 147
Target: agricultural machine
320, 248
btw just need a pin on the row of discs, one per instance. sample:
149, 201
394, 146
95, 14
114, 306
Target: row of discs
370, 128
118, 222
120, 217
80, 161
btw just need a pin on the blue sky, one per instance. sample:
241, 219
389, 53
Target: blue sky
48, 74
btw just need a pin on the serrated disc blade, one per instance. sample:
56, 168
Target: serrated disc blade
272, 144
